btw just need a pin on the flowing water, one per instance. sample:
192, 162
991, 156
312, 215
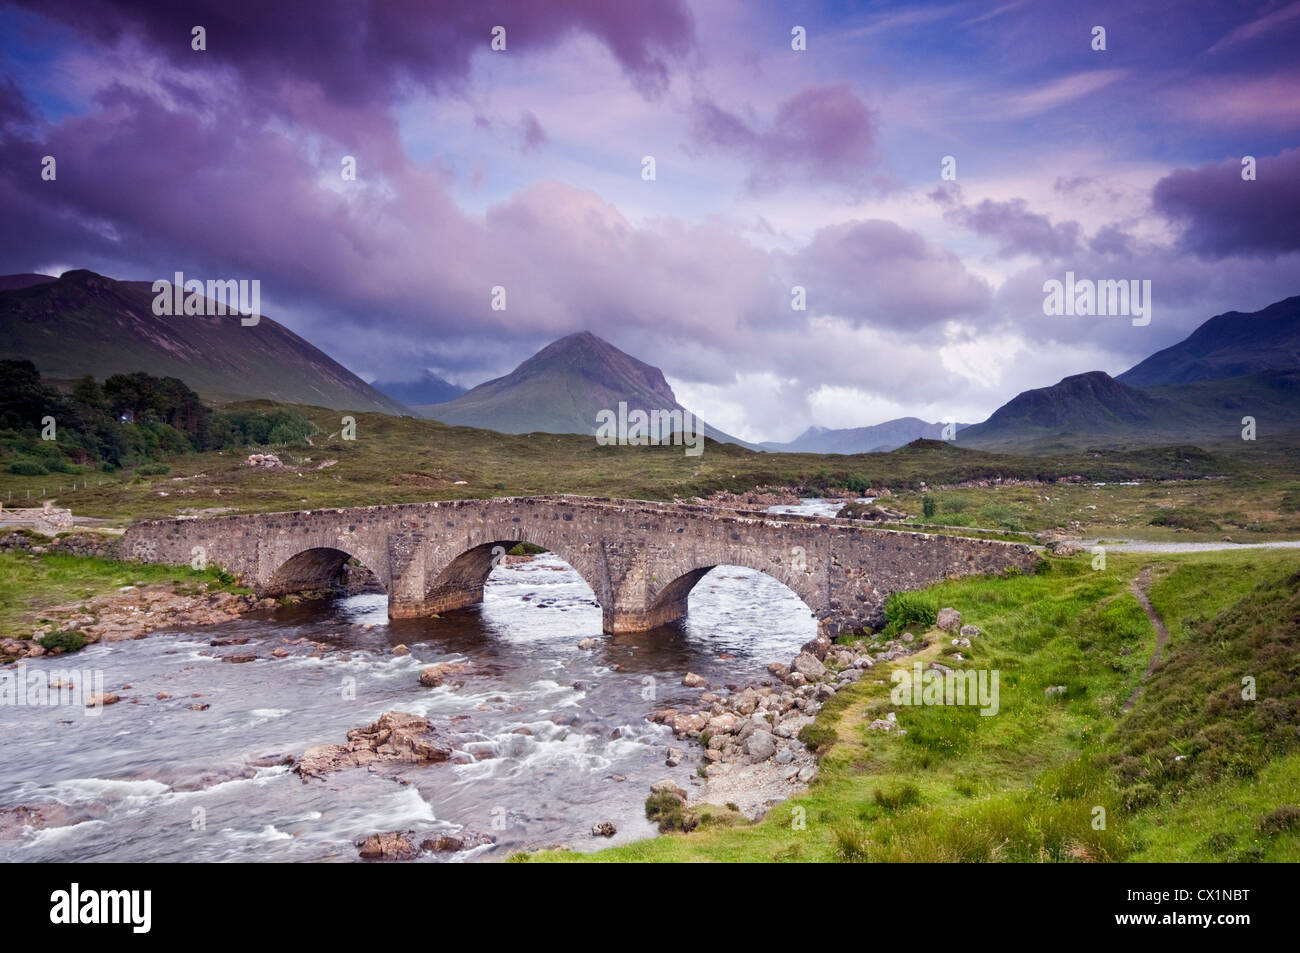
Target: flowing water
551, 739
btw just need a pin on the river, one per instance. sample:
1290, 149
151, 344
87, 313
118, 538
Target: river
552, 739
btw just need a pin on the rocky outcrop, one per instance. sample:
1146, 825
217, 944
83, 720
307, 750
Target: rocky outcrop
396, 737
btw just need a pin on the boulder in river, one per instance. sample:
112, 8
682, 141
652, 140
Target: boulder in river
434, 675
396, 736
391, 845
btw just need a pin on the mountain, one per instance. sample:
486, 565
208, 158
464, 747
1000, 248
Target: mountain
84, 323
429, 388
1228, 345
1093, 403
1095, 409
561, 389
889, 435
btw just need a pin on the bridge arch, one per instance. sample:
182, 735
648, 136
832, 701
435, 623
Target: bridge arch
314, 568
670, 589
459, 578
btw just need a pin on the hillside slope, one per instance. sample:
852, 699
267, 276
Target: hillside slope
562, 389
84, 323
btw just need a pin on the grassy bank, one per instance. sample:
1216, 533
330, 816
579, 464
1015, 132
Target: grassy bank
31, 584
403, 459
1191, 772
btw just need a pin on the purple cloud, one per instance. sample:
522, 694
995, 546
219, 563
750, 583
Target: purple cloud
360, 53
1017, 230
1224, 215
821, 134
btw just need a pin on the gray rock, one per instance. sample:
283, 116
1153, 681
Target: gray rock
807, 665
949, 619
760, 744
970, 632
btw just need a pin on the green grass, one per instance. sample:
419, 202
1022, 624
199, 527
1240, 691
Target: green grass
405, 459
1031, 783
31, 584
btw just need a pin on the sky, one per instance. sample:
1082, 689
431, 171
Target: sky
775, 168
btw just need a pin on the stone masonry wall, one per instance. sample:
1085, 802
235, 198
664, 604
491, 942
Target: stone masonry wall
640, 558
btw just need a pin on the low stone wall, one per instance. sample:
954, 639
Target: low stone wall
99, 545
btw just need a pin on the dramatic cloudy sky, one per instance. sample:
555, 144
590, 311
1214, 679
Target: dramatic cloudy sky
774, 168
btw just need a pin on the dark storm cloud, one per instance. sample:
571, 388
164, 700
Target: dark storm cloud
360, 53
1223, 215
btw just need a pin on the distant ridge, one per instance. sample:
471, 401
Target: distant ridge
878, 438
1233, 366
1232, 344
429, 388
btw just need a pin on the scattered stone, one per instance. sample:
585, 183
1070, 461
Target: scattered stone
948, 619
691, 680
401, 650
587, 644
970, 632
675, 756
1053, 690
238, 659
99, 699
604, 829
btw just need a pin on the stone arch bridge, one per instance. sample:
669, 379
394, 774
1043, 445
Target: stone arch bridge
640, 558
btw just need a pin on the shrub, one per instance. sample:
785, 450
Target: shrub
1280, 820
928, 507
1002, 515
153, 469
25, 466
897, 797
669, 811
850, 843
1184, 519
905, 610
816, 736
65, 639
